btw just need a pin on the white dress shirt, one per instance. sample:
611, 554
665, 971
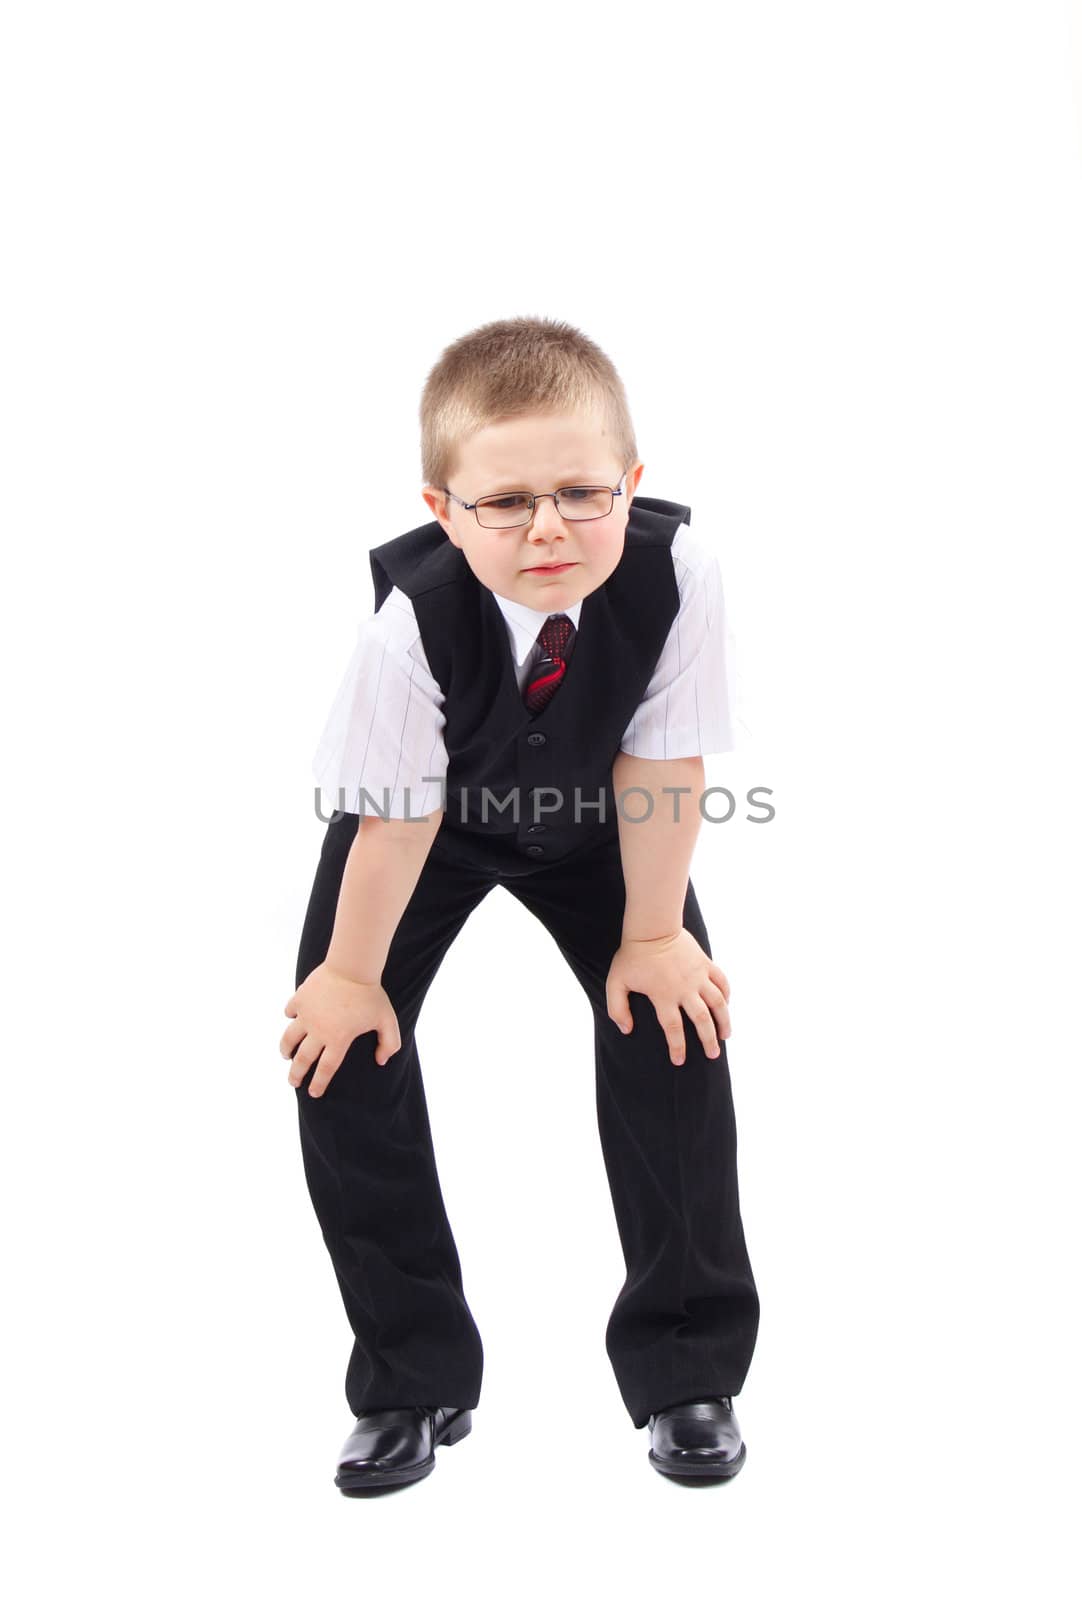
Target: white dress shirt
385, 728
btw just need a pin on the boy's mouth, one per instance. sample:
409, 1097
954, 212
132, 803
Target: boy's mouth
552, 566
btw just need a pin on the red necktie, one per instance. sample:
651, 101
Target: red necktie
545, 678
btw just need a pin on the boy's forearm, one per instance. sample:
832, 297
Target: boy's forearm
381, 873
656, 852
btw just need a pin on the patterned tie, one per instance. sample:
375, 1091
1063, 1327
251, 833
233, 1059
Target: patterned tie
556, 646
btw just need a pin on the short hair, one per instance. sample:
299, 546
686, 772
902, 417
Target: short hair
516, 367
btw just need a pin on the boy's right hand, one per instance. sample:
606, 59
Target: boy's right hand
330, 1011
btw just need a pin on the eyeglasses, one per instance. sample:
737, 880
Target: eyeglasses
583, 503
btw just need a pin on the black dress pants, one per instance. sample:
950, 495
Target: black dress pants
684, 1323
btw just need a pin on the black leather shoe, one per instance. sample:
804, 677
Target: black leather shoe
697, 1439
398, 1445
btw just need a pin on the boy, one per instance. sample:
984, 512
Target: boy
546, 645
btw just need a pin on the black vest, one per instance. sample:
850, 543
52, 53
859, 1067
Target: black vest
557, 763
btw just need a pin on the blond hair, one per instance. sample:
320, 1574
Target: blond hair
517, 367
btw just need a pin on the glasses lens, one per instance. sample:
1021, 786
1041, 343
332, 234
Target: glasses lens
579, 504
503, 510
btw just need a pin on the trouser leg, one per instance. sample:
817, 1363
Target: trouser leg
685, 1321
370, 1166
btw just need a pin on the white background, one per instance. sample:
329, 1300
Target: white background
836, 258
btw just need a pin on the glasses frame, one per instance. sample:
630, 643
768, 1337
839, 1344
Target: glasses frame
553, 495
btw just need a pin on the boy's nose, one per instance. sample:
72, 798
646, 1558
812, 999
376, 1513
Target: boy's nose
546, 521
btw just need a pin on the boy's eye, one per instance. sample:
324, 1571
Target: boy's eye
506, 502
575, 494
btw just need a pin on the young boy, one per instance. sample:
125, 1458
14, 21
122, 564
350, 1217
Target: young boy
547, 644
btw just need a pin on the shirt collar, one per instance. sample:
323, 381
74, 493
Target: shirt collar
524, 623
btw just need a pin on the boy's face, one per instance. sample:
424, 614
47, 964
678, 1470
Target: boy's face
537, 454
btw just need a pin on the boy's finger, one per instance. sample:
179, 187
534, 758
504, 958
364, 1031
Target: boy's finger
673, 1026
291, 1039
721, 1017
618, 1005
389, 1044
703, 1020
328, 1066
718, 1009
302, 1062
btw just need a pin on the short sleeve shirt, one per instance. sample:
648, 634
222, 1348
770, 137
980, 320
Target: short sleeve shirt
384, 733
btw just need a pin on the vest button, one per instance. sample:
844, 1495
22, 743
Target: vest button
535, 738
537, 827
535, 849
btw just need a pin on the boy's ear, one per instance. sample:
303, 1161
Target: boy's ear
632, 481
439, 505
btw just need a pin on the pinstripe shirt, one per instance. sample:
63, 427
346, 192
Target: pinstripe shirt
385, 727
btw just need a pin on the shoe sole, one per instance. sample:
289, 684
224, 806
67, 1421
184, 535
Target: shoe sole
700, 1469
349, 1478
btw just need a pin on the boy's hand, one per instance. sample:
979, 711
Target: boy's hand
673, 972
331, 1011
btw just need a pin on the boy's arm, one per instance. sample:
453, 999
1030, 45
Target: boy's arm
656, 852
343, 997
658, 956
381, 873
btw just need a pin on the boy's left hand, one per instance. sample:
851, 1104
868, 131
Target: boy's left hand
673, 972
